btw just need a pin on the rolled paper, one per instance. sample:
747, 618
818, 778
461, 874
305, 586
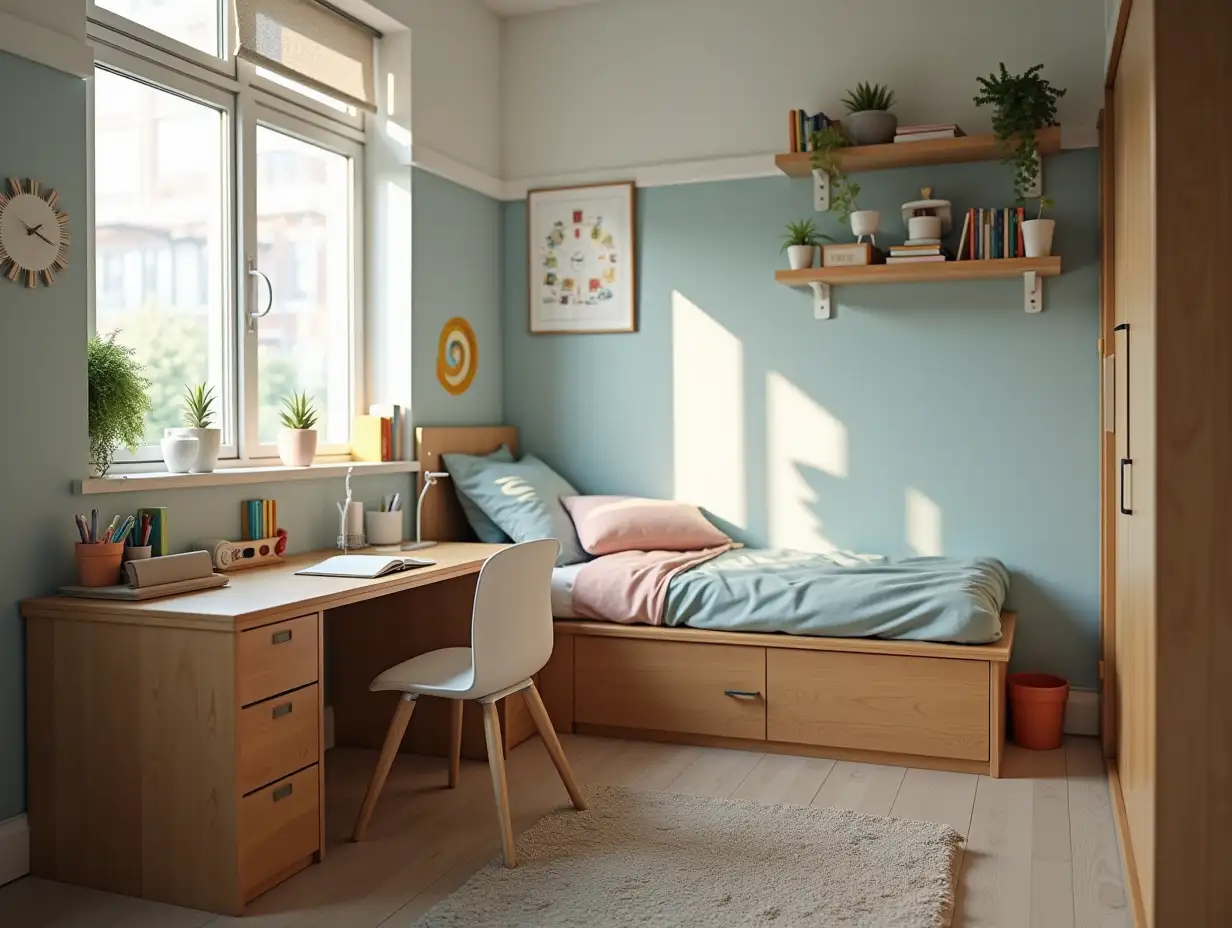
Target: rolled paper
169, 569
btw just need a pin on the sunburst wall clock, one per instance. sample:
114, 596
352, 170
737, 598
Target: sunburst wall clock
34, 236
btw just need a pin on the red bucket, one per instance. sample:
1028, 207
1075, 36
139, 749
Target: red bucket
1037, 709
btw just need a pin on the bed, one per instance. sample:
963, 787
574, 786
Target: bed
697, 680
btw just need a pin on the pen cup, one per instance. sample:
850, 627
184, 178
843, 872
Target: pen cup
384, 528
99, 565
138, 552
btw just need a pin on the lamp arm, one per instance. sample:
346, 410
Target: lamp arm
430, 479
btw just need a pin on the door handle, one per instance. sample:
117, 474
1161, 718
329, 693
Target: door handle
742, 694
1124, 511
254, 271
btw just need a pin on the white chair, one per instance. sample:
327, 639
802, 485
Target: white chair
511, 640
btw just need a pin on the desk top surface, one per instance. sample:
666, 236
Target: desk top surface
261, 595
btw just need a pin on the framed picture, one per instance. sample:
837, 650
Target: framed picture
581, 245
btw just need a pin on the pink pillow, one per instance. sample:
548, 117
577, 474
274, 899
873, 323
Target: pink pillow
607, 524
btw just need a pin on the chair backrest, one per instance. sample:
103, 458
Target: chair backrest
511, 628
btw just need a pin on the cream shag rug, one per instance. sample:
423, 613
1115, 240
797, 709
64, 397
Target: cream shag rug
660, 859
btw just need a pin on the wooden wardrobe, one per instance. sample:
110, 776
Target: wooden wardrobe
1167, 456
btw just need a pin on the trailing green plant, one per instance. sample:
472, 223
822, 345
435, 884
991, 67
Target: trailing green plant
1023, 103
299, 412
118, 399
803, 232
869, 97
843, 190
198, 406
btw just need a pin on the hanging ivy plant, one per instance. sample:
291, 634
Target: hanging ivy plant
1023, 103
843, 190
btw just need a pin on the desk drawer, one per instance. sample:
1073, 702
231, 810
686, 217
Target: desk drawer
704, 689
278, 737
280, 828
276, 658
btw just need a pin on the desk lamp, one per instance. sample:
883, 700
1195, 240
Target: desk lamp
430, 479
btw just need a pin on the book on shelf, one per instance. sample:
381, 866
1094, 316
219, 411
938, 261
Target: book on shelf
901, 251
397, 427
917, 259
370, 438
922, 242
854, 254
927, 133
801, 125
991, 234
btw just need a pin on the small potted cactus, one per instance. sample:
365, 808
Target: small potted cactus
297, 442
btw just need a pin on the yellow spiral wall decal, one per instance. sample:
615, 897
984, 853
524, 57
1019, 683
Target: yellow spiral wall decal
457, 357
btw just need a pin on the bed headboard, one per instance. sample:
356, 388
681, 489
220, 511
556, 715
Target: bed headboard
443, 519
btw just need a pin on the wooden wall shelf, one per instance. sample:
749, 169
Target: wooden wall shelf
821, 279
910, 154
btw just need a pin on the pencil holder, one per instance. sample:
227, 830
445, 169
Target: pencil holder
384, 528
138, 553
99, 565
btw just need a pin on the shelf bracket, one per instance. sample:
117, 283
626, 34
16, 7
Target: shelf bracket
1033, 292
821, 190
822, 307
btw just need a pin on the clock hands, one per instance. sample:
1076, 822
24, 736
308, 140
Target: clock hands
35, 231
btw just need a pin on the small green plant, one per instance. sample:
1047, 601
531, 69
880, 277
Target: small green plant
118, 400
299, 413
198, 406
869, 97
1045, 203
843, 190
803, 232
1023, 103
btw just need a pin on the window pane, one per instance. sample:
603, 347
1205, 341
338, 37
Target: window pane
158, 216
304, 247
193, 22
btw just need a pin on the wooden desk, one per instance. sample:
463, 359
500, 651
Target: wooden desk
176, 747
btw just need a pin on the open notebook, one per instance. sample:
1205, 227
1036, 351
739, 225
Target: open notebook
363, 566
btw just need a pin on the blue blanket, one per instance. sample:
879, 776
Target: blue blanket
776, 590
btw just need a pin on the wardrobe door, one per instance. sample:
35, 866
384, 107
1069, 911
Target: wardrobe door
1134, 347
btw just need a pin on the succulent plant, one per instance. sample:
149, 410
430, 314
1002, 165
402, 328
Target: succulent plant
299, 413
198, 406
869, 97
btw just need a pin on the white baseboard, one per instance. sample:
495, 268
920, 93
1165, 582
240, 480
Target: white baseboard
329, 727
1082, 713
14, 849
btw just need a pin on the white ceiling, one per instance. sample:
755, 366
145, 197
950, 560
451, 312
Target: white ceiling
519, 7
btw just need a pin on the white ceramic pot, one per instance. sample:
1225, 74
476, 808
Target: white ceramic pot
297, 447
924, 227
1037, 237
179, 451
870, 127
865, 222
800, 257
208, 443
384, 528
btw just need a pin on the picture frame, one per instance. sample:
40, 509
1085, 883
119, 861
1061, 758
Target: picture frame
581, 259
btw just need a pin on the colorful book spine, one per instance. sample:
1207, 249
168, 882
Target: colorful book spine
793, 129
1022, 249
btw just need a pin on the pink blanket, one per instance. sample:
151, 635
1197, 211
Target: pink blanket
631, 587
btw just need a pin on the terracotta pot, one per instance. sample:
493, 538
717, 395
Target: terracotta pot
99, 565
297, 447
1037, 709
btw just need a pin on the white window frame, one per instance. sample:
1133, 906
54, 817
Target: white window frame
248, 100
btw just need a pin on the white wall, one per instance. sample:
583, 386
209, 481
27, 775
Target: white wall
455, 78
635, 82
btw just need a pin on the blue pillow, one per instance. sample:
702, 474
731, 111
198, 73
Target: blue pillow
523, 498
459, 464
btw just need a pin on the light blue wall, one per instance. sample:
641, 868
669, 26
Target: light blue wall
456, 243
948, 389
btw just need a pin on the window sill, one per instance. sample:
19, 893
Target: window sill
234, 476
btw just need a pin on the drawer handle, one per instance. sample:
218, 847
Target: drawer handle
281, 637
743, 694
280, 711
283, 792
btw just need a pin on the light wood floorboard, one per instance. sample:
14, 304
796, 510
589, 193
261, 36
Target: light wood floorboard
1041, 849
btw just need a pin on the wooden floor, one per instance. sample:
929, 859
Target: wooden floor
1041, 850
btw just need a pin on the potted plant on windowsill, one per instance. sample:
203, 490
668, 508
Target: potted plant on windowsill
1022, 103
297, 442
118, 400
198, 419
800, 241
869, 120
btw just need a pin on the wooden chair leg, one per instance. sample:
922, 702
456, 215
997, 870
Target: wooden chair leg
544, 723
389, 750
496, 761
455, 741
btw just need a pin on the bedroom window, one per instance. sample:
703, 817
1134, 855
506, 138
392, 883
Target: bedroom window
227, 224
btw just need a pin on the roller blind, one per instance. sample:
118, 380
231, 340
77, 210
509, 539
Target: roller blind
312, 43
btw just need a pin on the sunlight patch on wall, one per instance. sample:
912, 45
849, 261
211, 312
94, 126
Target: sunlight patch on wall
805, 444
923, 524
707, 413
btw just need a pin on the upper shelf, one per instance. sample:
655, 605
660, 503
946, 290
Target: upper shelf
909, 154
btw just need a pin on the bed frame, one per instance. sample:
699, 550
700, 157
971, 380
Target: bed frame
909, 703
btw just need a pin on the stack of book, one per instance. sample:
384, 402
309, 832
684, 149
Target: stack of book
802, 125
379, 436
258, 519
917, 251
927, 132
992, 234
